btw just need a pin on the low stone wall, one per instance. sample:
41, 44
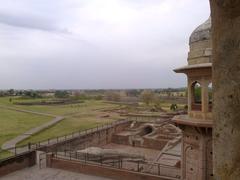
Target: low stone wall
145, 143
17, 163
146, 117
174, 100
114, 173
49, 102
94, 137
153, 117
121, 140
154, 144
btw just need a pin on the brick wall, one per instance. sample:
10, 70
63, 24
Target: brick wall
118, 174
97, 138
18, 162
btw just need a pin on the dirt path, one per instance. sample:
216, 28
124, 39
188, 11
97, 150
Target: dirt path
27, 111
12, 143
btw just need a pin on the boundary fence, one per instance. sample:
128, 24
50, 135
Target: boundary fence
22, 149
121, 162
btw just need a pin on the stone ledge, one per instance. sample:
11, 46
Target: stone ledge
186, 120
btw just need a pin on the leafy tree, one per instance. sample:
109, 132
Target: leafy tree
19, 93
210, 93
2, 94
157, 102
11, 92
197, 94
133, 92
80, 96
31, 94
147, 96
113, 96
173, 107
61, 94
98, 97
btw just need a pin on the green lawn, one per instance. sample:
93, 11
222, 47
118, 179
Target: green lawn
5, 101
166, 106
13, 123
77, 117
64, 110
67, 126
5, 154
146, 109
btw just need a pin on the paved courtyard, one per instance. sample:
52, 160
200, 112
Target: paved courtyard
34, 173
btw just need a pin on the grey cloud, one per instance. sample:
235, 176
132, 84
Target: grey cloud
29, 22
104, 49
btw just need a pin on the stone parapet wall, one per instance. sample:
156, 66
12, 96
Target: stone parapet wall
17, 163
113, 173
121, 140
200, 115
92, 138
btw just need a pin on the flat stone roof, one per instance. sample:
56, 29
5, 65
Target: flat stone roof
194, 66
186, 120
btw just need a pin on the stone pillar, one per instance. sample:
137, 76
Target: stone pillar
204, 86
189, 96
226, 88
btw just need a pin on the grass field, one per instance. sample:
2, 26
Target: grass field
77, 117
82, 117
166, 106
13, 123
63, 110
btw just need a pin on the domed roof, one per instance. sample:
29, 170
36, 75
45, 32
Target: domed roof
200, 53
202, 32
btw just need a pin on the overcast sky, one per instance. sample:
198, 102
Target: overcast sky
96, 43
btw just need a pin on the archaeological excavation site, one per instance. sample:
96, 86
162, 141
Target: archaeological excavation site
135, 147
95, 135
124, 149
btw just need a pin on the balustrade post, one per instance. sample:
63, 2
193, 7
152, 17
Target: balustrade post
159, 170
138, 166
29, 145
